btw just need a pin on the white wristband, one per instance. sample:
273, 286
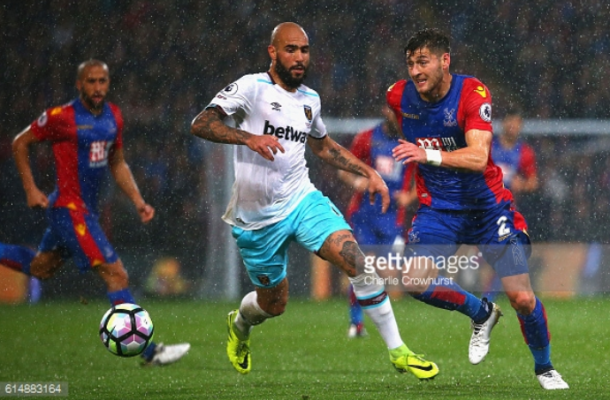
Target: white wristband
434, 157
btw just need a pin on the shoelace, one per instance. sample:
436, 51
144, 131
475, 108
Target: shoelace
476, 327
242, 349
554, 376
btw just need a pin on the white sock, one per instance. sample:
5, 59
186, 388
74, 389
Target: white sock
250, 314
370, 287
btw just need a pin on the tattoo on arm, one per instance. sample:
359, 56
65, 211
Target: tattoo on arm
208, 125
339, 159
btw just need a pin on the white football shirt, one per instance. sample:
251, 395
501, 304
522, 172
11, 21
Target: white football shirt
264, 191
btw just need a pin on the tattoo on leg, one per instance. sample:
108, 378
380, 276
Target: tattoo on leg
339, 239
353, 256
333, 240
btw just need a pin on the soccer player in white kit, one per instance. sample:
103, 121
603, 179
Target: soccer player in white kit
274, 202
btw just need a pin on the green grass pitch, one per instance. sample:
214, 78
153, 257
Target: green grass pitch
304, 354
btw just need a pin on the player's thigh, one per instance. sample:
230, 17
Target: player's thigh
433, 238
315, 220
503, 244
264, 253
79, 235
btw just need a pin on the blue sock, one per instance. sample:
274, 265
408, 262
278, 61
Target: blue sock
124, 296
149, 352
444, 293
535, 331
120, 297
355, 310
17, 258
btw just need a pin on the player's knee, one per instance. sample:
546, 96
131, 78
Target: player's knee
114, 275
41, 274
522, 302
44, 265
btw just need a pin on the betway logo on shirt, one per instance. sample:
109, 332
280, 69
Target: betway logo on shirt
437, 143
288, 132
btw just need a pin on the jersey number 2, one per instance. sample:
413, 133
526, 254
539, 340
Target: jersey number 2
503, 230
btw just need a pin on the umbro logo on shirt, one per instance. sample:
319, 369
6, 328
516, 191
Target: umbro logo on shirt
275, 106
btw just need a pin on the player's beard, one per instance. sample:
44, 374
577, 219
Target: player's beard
92, 105
286, 76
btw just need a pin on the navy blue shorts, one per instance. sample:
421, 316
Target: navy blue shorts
499, 233
77, 234
375, 229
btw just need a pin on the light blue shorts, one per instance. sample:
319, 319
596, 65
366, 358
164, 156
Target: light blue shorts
265, 251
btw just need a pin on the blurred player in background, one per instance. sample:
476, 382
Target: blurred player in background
275, 203
87, 139
446, 120
378, 233
517, 160
514, 156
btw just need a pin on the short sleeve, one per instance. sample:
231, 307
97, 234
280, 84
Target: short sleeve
318, 128
236, 96
118, 117
52, 124
527, 163
361, 146
394, 96
475, 105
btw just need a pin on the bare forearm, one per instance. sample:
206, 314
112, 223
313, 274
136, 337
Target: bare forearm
339, 157
124, 179
208, 125
22, 161
357, 182
467, 159
524, 185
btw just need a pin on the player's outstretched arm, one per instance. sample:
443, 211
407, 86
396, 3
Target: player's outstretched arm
209, 125
124, 178
339, 157
21, 153
472, 158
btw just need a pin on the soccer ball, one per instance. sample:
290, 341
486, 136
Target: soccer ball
126, 330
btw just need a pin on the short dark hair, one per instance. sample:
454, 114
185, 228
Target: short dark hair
432, 38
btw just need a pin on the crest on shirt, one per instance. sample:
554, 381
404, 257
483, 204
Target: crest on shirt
413, 237
485, 112
42, 120
275, 106
231, 89
308, 112
449, 119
